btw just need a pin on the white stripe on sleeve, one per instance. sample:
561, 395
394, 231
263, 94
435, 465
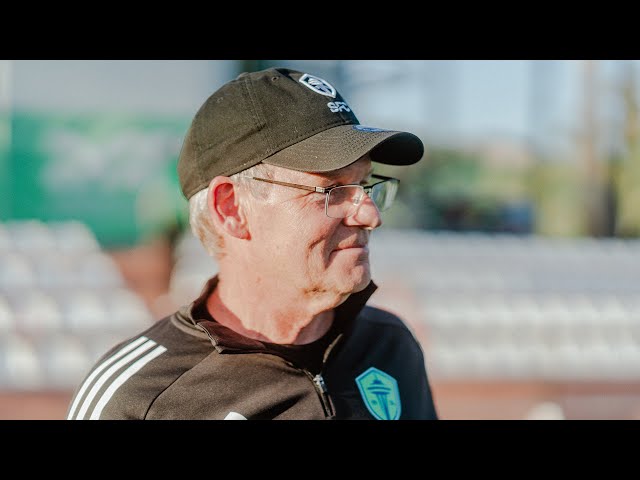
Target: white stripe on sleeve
98, 369
123, 377
106, 375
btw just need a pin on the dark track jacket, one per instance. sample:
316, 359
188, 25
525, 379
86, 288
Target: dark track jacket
188, 366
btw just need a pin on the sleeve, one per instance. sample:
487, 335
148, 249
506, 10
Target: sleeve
426, 409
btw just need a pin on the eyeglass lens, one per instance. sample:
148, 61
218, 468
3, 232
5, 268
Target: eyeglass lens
343, 201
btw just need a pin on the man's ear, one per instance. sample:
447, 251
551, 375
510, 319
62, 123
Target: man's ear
226, 212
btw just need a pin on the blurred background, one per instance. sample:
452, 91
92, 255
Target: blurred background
513, 250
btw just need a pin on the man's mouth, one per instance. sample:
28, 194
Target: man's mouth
352, 246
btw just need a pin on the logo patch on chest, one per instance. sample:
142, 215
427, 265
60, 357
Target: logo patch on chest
380, 393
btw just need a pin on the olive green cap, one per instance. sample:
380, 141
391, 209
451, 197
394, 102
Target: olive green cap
286, 118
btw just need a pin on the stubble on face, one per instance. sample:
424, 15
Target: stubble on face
338, 263
323, 270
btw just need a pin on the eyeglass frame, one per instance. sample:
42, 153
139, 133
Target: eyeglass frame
327, 190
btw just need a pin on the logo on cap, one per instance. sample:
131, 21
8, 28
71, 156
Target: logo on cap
318, 85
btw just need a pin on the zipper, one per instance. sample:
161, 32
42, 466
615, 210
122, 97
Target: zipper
321, 386
317, 380
323, 393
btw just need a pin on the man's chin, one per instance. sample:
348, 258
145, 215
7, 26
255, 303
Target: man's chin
358, 279
361, 286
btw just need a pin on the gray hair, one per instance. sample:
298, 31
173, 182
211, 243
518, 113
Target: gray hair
200, 218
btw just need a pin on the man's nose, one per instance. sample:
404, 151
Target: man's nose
367, 215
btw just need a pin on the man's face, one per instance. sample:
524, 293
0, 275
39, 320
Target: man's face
294, 242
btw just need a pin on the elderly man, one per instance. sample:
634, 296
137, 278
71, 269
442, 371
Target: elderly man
279, 176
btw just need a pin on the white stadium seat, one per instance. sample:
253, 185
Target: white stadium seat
64, 359
73, 237
7, 319
20, 368
16, 271
37, 312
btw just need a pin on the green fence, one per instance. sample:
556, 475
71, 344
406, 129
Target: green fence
116, 173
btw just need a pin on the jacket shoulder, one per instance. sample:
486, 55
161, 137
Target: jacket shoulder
377, 315
127, 379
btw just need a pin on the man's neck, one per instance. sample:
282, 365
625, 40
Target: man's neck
283, 318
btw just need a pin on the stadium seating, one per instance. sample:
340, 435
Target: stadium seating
63, 303
505, 306
484, 306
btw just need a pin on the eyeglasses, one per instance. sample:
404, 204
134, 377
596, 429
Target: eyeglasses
343, 200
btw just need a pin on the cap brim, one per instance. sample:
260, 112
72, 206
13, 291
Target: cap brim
338, 147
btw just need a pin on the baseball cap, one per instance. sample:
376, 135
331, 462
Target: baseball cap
287, 118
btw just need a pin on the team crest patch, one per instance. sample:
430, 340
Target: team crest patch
380, 393
318, 85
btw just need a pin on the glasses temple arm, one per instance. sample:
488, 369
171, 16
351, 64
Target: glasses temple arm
294, 185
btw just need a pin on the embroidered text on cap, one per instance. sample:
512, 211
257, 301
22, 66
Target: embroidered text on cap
318, 85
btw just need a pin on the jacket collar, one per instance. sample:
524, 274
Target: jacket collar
197, 318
